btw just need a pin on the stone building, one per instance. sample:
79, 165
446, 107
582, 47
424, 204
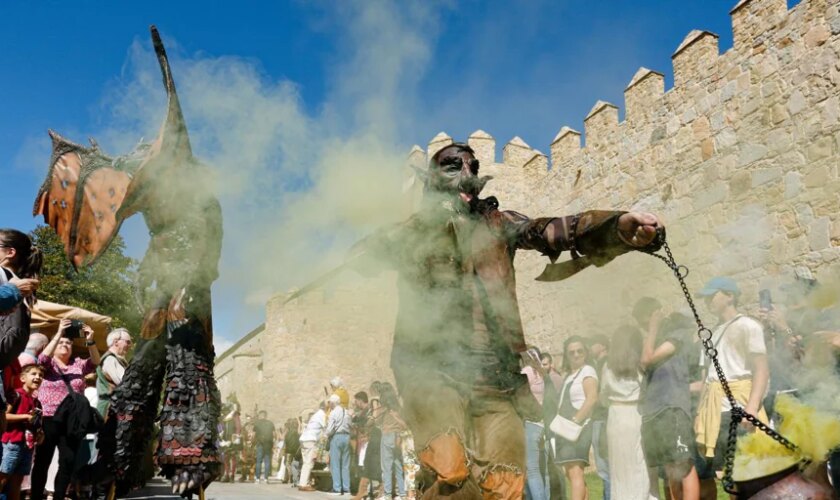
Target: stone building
740, 158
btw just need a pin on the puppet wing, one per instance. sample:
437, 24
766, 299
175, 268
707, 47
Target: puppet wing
80, 198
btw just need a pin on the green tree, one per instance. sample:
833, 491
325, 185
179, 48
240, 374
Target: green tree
107, 287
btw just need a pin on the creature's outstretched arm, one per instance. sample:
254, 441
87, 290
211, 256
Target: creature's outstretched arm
591, 237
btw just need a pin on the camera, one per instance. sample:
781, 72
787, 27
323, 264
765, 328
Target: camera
74, 331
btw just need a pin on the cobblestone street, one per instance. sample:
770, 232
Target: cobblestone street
158, 489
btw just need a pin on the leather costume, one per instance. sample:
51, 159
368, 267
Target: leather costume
459, 335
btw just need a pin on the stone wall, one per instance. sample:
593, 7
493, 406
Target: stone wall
740, 158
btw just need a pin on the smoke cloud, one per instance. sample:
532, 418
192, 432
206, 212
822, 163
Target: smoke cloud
297, 186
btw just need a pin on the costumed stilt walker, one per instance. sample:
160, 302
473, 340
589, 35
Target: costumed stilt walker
85, 198
459, 338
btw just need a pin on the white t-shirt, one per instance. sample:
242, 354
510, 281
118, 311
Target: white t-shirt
737, 340
575, 390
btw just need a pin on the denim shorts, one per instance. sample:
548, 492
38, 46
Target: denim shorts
17, 459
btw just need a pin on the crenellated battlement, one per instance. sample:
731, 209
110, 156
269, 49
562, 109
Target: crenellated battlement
697, 106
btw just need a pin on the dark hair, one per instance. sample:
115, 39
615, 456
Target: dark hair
261, 413
644, 308
546, 356
599, 339
569, 341
626, 353
361, 396
388, 397
28, 258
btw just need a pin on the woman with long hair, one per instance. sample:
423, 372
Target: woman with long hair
620, 391
20, 264
578, 395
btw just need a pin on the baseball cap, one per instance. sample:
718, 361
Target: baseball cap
719, 284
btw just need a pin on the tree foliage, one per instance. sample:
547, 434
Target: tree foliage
107, 287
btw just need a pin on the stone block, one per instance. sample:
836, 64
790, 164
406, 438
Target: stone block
796, 102
739, 183
750, 153
819, 237
819, 149
793, 184
765, 175
817, 36
716, 193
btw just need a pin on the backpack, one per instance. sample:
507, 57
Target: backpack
75, 417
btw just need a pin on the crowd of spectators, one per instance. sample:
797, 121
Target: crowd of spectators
648, 402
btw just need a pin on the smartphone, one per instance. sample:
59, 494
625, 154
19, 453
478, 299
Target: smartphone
765, 302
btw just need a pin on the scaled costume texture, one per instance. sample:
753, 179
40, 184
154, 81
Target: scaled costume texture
85, 198
459, 337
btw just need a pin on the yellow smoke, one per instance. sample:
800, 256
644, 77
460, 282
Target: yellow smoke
814, 432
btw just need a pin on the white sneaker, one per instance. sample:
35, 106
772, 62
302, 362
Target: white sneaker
334, 494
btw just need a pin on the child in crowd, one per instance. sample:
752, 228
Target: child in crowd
23, 431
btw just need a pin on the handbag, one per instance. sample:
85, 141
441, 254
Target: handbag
562, 426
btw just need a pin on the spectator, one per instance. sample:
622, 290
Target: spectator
248, 454
578, 396
387, 417
620, 393
23, 432
231, 442
599, 349
19, 260
12, 372
556, 488
112, 366
309, 445
373, 455
742, 354
667, 433
264, 438
291, 450
361, 419
536, 485
338, 434
61, 373
338, 389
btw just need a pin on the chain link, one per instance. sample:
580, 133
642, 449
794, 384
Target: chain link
738, 413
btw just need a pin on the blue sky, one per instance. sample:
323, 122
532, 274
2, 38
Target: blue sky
348, 78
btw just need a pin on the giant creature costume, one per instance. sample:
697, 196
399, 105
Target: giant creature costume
459, 337
85, 198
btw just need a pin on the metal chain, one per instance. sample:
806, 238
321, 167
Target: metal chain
738, 413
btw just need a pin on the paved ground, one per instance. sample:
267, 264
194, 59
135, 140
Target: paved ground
158, 490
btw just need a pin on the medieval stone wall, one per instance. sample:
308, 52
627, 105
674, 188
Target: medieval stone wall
740, 158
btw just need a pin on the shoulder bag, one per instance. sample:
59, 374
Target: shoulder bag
562, 426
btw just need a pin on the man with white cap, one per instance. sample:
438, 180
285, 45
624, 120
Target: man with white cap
338, 434
742, 354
